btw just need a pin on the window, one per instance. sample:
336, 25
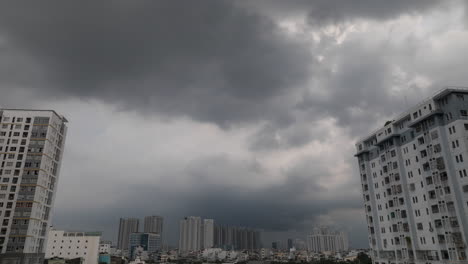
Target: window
421, 140
420, 226
463, 113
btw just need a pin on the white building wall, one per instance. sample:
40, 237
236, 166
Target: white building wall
414, 186
208, 233
69, 245
190, 234
29, 178
105, 247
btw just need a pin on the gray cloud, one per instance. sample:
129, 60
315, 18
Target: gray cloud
229, 64
294, 203
211, 60
321, 12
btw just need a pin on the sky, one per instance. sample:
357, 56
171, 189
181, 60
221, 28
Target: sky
246, 112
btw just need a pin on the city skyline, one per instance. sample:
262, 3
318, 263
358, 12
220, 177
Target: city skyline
245, 112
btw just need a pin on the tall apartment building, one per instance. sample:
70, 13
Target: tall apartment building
323, 239
237, 238
190, 234
31, 147
208, 233
126, 227
415, 182
70, 245
153, 224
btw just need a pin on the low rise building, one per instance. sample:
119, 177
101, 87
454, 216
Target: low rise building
70, 245
105, 247
149, 242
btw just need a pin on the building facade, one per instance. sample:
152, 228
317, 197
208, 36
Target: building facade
237, 238
323, 239
105, 247
31, 148
149, 242
190, 234
208, 233
414, 174
126, 227
153, 224
71, 245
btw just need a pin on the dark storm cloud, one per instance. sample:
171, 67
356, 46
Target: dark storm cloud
207, 59
320, 12
290, 204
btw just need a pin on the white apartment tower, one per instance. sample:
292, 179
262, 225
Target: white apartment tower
153, 224
414, 174
208, 233
323, 239
31, 147
190, 234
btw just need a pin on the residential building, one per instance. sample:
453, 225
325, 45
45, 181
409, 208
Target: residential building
31, 148
414, 175
149, 242
323, 240
153, 224
190, 234
299, 244
237, 238
105, 247
290, 243
71, 245
126, 227
208, 233
274, 245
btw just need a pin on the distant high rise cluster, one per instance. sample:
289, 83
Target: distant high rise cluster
130, 238
238, 238
196, 234
31, 148
322, 239
414, 175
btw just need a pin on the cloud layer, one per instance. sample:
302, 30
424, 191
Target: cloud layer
245, 112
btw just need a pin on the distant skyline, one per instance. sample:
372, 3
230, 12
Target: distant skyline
245, 112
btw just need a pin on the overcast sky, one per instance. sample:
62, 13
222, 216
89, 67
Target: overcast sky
242, 111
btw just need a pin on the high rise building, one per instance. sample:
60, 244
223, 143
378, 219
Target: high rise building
208, 233
237, 238
153, 224
126, 227
31, 147
150, 242
190, 234
290, 243
323, 239
274, 245
70, 245
414, 175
